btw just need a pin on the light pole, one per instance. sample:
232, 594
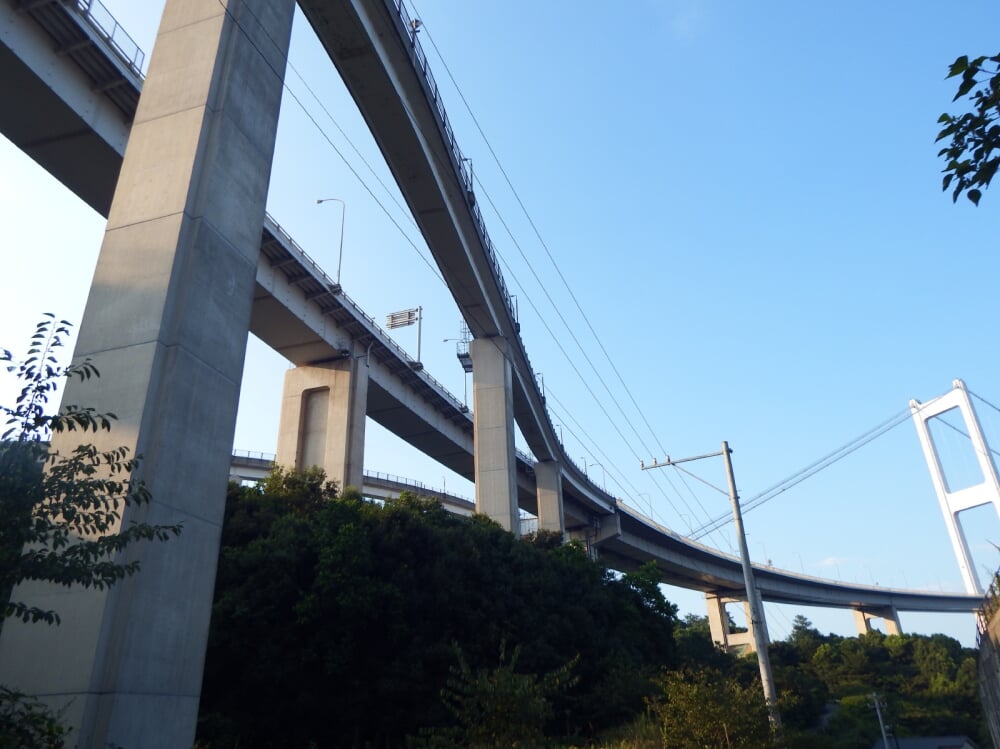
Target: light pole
604, 474
343, 216
649, 501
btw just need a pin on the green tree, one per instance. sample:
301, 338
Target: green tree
498, 708
972, 154
704, 707
349, 606
61, 511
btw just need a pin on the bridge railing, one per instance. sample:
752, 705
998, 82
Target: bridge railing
346, 301
100, 20
254, 455
412, 483
461, 163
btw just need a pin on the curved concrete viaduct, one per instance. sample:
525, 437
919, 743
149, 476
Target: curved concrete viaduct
182, 359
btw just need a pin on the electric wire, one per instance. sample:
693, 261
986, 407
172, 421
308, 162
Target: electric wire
326, 136
538, 235
576, 302
586, 358
330, 142
812, 469
312, 118
403, 209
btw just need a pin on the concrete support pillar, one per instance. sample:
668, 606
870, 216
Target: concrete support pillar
323, 420
718, 624
550, 498
166, 324
863, 617
493, 427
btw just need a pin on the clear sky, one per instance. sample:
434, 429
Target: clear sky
744, 200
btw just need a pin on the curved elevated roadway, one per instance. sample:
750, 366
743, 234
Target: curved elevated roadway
75, 90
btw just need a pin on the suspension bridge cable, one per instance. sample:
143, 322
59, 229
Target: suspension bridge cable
981, 398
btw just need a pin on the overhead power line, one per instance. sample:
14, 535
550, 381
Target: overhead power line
811, 470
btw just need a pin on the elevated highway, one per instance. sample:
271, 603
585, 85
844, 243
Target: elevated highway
76, 92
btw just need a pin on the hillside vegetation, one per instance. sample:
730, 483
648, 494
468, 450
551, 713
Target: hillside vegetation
340, 622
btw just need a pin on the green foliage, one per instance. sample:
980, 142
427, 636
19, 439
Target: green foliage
928, 683
974, 136
498, 708
27, 722
704, 707
62, 512
335, 621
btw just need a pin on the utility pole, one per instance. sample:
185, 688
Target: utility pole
758, 625
881, 722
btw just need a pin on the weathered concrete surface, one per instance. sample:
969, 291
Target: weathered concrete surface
493, 413
888, 614
548, 478
718, 624
166, 323
323, 420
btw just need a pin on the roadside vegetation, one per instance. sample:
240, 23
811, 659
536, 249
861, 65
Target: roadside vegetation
341, 622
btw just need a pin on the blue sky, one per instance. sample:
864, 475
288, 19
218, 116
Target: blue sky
745, 201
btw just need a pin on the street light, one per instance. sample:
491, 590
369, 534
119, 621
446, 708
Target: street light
604, 475
343, 215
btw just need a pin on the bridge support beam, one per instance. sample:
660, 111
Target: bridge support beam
550, 497
166, 324
323, 420
493, 432
718, 624
863, 620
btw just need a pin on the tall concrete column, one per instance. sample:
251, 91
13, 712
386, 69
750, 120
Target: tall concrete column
323, 420
550, 497
863, 620
166, 324
718, 624
493, 432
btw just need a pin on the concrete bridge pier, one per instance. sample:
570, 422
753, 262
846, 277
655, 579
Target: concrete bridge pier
166, 324
718, 624
548, 478
493, 432
863, 619
323, 419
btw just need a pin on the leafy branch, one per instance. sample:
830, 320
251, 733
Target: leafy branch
975, 136
63, 512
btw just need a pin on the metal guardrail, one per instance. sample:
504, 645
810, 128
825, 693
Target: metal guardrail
384, 337
460, 162
100, 20
414, 483
254, 455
